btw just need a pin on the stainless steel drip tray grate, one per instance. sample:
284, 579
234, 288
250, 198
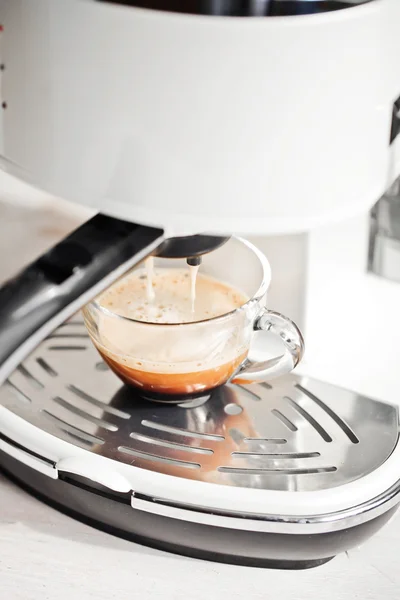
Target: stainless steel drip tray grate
295, 434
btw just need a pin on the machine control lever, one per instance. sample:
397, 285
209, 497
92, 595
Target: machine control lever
395, 129
58, 284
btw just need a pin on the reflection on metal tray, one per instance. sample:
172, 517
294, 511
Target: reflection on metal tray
293, 434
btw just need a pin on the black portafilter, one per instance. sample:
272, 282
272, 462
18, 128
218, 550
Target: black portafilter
191, 247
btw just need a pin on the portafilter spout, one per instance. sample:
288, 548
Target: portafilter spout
191, 247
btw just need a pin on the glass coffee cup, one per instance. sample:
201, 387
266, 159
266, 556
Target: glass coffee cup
174, 362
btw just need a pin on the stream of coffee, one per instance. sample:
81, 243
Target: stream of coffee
193, 277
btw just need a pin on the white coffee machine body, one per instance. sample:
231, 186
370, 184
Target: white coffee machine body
197, 123
193, 123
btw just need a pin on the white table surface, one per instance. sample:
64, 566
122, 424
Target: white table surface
45, 554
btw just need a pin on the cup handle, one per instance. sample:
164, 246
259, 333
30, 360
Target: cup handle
293, 349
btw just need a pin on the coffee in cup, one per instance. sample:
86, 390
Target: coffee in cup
143, 356
171, 347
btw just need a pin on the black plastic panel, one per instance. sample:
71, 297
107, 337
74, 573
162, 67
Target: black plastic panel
242, 8
66, 272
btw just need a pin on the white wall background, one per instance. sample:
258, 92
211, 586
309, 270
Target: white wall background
352, 317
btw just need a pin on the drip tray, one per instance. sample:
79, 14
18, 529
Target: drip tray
293, 435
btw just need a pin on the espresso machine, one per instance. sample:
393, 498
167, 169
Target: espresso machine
182, 123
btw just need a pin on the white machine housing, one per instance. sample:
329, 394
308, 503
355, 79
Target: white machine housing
198, 123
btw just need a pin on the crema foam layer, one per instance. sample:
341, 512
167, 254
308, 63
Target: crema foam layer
172, 297
143, 344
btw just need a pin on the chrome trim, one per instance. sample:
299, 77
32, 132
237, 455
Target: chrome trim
384, 237
272, 523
